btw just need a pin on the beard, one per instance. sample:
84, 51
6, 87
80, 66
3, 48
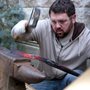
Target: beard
60, 33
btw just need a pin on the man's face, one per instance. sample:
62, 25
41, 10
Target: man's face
61, 23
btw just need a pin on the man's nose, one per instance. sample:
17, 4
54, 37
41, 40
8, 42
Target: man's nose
58, 25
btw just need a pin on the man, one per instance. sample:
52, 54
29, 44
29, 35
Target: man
62, 40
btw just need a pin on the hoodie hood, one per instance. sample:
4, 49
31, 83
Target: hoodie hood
78, 28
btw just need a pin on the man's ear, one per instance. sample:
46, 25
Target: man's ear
73, 17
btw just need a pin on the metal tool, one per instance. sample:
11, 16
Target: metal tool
34, 17
49, 62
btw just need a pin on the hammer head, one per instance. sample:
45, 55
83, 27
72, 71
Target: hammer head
34, 17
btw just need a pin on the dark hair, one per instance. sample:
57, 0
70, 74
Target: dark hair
62, 6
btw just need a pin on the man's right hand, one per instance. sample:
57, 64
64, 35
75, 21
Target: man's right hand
19, 29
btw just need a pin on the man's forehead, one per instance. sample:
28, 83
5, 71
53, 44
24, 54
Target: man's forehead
58, 16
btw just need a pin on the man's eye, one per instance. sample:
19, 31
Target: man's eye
62, 21
53, 22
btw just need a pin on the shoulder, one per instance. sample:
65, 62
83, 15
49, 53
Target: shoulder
85, 35
87, 31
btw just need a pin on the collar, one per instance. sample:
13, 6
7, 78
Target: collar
78, 28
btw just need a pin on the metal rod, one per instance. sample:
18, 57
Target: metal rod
49, 62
